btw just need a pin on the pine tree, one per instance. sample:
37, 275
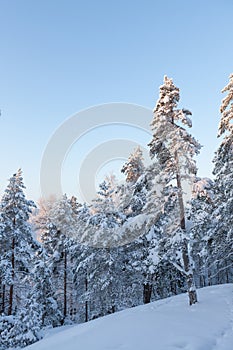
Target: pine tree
101, 229
134, 167
104, 281
43, 290
201, 226
19, 243
133, 195
57, 240
99, 272
175, 148
222, 233
82, 268
27, 326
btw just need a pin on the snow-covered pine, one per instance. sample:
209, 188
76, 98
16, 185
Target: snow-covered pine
175, 149
18, 251
40, 215
134, 166
6, 325
43, 291
101, 229
132, 193
99, 278
19, 244
172, 145
27, 325
201, 225
226, 109
104, 281
57, 240
102, 275
222, 215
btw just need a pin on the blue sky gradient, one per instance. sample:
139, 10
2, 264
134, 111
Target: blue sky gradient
58, 57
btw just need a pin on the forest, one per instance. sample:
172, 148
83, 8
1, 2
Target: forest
63, 262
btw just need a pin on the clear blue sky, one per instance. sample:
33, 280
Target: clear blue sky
61, 56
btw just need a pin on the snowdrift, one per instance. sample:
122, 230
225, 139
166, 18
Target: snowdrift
168, 324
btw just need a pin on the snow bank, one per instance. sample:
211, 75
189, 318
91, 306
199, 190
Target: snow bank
168, 324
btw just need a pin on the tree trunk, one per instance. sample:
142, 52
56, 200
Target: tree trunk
113, 309
190, 280
86, 302
3, 291
11, 293
185, 255
65, 286
227, 276
181, 202
147, 291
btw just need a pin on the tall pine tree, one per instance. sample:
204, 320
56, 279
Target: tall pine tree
19, 243
175, 149
222, 233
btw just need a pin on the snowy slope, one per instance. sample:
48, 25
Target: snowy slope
168, 324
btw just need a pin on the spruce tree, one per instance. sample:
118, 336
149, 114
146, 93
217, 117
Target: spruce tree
57, 240
19, 243
43, 291
101, 228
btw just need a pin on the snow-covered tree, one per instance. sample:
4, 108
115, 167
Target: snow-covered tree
40, 215
27, 325
226, 109
43, 291
199, 216
133, 196
19, 243
222, 233
134, 167
57, 240
175, 149
102, 226
18, 252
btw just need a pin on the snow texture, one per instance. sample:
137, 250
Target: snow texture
168, 324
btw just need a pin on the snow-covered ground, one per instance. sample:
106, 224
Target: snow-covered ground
169, 324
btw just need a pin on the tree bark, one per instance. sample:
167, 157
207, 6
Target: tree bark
86, 302
3, 291
65, 286
147, 291
113, 309
190, 280
11, 293
185, 255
